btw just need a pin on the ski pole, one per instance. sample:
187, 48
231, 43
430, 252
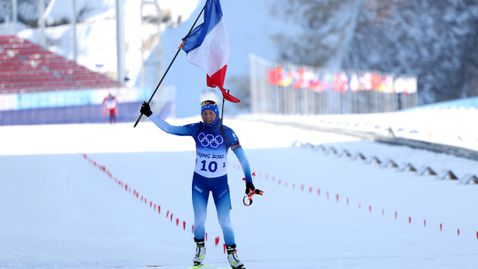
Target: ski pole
171, 63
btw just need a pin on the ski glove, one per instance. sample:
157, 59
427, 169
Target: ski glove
145, 109
250, 187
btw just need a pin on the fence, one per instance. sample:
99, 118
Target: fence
79, 105
289, 89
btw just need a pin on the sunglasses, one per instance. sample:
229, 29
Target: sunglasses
207, 102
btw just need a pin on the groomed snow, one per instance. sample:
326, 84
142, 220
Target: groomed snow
62, 209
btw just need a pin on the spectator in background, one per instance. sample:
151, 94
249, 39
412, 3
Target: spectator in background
110, 105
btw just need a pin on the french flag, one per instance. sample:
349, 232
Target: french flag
207, 47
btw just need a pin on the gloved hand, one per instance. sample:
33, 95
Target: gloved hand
145, 109
250, 187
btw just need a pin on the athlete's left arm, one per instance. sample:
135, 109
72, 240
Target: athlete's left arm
241, 156
233, 143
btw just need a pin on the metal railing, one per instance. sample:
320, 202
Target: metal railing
290, 89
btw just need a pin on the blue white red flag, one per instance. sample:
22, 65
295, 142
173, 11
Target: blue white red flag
208, 47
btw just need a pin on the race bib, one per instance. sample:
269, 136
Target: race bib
111, 104
211, 159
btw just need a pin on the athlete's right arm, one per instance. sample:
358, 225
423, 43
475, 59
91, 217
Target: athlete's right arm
170, 129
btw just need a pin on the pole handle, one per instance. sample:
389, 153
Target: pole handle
139, 118
247, 200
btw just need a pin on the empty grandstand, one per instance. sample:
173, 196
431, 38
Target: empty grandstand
59, 60
27, 67
38, 86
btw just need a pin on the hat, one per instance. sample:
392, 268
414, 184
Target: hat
211, 105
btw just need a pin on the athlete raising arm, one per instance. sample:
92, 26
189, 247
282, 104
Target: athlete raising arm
212, 143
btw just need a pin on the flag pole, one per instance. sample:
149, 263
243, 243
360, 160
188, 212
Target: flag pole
222, 109
171, 63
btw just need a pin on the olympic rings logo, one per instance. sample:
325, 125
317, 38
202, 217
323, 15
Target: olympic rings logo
209, 140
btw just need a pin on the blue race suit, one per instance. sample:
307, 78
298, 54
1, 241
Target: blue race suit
212, 143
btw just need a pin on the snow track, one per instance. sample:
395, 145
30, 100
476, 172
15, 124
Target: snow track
318, 211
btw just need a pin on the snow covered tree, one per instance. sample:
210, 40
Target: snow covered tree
433, 40
317, 35
430, 39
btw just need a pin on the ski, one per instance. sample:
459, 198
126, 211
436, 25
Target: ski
203, 266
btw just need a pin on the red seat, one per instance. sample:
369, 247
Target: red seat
25, 66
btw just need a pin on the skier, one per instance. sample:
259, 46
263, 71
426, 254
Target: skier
212, 143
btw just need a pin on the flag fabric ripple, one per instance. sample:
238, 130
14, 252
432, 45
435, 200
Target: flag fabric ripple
208, 47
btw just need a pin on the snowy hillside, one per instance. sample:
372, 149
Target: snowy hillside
97, 35
59, 10
434, 40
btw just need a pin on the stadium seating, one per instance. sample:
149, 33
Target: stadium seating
27, 67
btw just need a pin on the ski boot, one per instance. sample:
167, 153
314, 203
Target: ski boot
232, 257
200, 252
